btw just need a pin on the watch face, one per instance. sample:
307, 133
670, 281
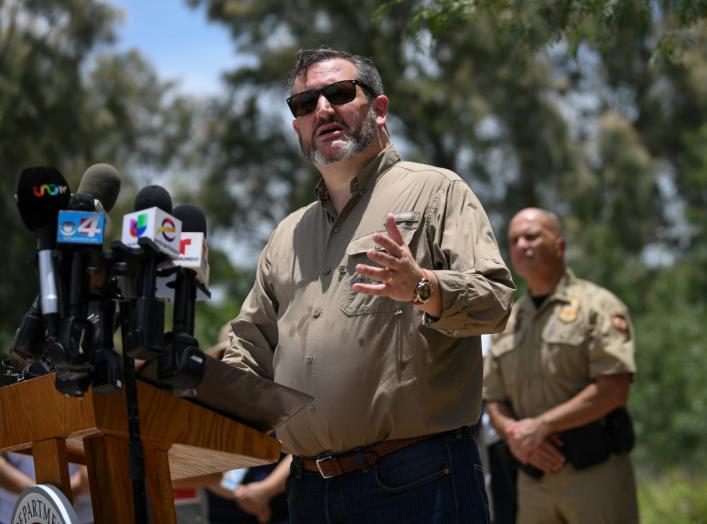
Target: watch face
424, 290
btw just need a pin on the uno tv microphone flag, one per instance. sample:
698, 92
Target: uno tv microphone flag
41, 193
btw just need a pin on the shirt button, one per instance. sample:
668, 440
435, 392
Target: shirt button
327, 271
308, 359
312, 409
336, 229
317, 313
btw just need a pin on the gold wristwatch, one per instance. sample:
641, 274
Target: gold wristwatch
423, 291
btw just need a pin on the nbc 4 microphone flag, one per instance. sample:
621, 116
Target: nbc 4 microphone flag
80, 227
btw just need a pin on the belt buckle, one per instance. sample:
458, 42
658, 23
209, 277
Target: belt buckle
319, 465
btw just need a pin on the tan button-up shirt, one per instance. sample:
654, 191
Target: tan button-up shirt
547, 355
375, 370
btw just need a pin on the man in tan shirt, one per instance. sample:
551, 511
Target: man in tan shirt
372, 300
556, 381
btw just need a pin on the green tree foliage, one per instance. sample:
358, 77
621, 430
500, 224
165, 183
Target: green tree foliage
594, 109
67, 100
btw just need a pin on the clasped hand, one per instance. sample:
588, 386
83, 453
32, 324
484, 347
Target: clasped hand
530, 443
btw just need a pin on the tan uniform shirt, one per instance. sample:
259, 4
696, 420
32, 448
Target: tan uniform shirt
546, 356
374, 370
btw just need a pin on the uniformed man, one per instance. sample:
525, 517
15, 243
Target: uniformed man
556, 384
372, 300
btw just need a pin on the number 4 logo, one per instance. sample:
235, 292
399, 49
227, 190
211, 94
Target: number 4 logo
89, 226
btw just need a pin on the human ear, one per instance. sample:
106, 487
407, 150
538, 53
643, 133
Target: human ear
380, 106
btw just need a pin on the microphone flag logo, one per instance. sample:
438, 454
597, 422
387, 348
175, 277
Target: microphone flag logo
138, 226
168, 226
153, 224
49, 190
183, 243
80, 227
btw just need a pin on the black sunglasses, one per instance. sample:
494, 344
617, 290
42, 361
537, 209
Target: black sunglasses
337, 93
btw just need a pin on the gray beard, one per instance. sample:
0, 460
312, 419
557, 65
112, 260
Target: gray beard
354, 144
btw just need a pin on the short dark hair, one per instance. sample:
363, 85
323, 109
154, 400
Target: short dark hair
306, 58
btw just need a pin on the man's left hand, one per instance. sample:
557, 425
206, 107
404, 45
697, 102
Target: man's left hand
400, 273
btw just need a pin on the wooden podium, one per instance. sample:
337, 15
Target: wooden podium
181, 439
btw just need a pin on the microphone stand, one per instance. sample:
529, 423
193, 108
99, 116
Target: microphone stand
136, 452
126, 269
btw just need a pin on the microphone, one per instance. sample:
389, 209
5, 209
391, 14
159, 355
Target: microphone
29, 341
84, 221
193, 254
152, 221
80, 232
193, 251
42, 192
150, 236
153, 196
192, 266
102, 182
81, 223
181, 366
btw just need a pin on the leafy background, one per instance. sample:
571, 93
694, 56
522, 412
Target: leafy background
593, 108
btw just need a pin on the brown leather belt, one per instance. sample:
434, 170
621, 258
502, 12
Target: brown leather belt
334, 465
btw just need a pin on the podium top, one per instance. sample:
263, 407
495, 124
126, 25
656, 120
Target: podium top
198, 440
245, 397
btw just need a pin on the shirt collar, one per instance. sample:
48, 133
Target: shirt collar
366, 177
567, 280
559, 294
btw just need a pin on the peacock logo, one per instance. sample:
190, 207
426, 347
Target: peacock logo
138, 226
49, 190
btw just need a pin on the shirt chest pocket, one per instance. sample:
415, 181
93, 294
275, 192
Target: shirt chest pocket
354, 303
512, 362
565, 349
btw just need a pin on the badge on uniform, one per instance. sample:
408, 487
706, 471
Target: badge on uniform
568, 313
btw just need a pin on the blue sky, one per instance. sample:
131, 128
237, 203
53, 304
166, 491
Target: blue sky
178, 41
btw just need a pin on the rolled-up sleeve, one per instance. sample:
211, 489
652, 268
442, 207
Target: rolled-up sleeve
476, 286
254, 333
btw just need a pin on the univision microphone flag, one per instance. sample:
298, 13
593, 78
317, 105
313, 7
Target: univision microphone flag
157, 225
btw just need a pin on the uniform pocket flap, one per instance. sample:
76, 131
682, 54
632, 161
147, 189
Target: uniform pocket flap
566, 335
362, 244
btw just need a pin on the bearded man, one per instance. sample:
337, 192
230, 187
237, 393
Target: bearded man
372, 299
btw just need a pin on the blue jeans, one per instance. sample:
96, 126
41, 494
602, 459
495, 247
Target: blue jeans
437, 480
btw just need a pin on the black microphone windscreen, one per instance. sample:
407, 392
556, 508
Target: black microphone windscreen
42, 192
193, 218
153, 196
102, 181
82, 202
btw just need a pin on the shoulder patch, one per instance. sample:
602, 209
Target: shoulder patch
619, 322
